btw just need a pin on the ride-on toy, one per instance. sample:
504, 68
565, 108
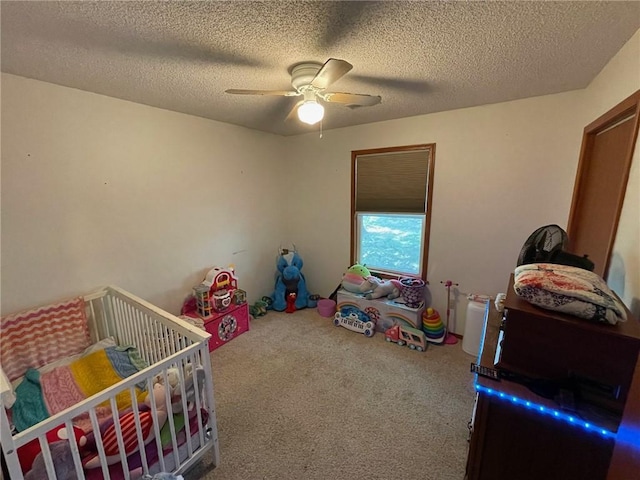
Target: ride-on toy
290, 280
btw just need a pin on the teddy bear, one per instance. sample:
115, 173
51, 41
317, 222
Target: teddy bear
175, 390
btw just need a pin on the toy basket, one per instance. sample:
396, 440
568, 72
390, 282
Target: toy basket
412, 291
326, 307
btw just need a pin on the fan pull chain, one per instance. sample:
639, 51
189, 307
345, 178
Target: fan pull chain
320, 128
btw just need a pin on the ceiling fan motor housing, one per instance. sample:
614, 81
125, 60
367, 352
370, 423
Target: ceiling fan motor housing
303, 74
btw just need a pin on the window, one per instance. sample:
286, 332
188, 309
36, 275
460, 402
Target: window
391, 209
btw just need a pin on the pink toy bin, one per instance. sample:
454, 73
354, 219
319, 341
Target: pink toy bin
326, 307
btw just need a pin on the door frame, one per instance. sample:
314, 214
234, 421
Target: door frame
624, 109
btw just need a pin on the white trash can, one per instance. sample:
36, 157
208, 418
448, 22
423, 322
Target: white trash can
474, 326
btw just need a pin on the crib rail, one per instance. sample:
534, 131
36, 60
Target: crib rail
165, 342
131, 320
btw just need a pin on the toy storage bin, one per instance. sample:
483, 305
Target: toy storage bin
227, 325
412, 291
326, 307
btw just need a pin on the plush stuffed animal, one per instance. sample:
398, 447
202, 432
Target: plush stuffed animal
29, 451
175, 391
167, 476
172, 376
259, 308
354, 278
62, 462
128, 427
290, 280
189, 389
291, 303
381, 288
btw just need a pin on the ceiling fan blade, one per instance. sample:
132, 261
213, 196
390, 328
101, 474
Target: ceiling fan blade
408, 85
331, 71
352, 99
278, 93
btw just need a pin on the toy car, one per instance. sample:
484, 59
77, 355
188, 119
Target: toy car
353, 323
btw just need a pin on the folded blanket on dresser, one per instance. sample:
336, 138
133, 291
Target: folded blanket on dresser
41, 395
569, 290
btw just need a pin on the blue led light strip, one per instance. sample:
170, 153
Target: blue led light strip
551, 412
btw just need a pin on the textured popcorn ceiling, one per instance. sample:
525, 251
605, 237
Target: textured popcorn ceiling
421, 57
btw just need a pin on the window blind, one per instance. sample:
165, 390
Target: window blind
392, 182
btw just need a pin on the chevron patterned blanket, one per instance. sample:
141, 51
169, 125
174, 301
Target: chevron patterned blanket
40, 336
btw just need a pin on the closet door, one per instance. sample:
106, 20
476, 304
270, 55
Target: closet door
601, 180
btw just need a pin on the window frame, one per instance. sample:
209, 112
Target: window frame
431, 148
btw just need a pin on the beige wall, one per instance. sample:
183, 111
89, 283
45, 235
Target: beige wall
97, 190
624, 270
501, 171
619, 79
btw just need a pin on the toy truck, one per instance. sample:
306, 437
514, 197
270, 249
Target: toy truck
402, 335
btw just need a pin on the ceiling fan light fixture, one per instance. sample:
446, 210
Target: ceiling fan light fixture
310, 80
310, 112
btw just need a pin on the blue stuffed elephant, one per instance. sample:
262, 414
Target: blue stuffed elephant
290, 280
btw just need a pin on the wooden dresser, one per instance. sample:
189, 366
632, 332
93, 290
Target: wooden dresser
526, 427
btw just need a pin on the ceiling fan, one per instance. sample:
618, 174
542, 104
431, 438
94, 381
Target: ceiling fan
310, 80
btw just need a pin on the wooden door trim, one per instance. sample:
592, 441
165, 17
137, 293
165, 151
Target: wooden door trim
628, 107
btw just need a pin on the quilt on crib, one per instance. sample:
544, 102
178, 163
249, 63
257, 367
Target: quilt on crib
41, 395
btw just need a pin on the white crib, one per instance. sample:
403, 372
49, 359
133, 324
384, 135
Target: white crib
164, 342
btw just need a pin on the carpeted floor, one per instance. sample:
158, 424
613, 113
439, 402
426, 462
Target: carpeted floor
298, 398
